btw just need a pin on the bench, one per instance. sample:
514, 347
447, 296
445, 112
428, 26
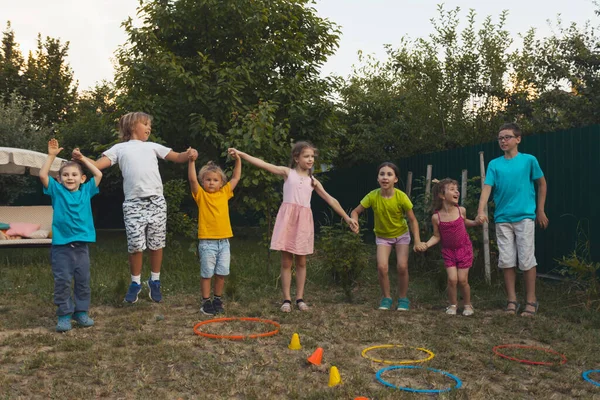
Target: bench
32, 214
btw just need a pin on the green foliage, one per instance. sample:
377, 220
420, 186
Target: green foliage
18, 129
193, 64
579, 268
11, 65
343, 253
178, 222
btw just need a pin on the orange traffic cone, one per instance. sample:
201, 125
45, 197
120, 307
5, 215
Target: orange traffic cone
316, 357
334, 377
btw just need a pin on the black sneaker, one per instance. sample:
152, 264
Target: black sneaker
208, 308
218, 305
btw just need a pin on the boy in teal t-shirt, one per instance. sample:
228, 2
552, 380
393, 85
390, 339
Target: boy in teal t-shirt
512, 178
72, 230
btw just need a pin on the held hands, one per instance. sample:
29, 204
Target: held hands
192, 154
233, 153
352, 224
76, 155
420, 247
481, 218
541, 219
53, 148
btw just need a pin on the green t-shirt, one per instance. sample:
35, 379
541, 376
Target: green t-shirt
390, 221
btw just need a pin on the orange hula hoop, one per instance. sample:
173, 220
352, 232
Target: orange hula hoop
274, 332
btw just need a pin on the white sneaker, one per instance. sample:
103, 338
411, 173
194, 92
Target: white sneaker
468, 310
451, 310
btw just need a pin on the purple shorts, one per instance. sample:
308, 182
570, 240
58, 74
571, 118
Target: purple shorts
460, 258
402, 239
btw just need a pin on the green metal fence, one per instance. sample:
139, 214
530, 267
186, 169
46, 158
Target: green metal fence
570, 160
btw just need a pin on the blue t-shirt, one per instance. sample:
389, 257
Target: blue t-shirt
72, 219
512, 181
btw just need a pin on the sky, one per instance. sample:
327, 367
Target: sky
93, 27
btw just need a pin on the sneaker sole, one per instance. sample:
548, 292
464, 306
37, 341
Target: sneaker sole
383, 308
136, 299
206, 313
150, 293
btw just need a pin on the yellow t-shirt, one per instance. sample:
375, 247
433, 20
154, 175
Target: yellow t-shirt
213, 213
390, 220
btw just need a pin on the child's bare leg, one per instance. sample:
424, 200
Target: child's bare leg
463, 283
286, 274
510, 277
300, 276
155, 260
135, 263
402, 266
205, 287
383, 257
452, 281
530, 277
219, 285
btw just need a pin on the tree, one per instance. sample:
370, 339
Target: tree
48, 81
193, 64
11, 65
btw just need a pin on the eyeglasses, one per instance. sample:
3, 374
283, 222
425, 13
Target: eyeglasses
505, 138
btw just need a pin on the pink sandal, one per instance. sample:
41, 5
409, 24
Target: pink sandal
302, 306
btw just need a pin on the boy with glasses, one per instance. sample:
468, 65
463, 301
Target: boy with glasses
512, 176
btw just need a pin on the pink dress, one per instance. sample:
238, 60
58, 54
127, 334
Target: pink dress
457, 249
294, 229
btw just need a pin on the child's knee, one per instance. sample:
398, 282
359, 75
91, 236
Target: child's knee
382, 268
452, 281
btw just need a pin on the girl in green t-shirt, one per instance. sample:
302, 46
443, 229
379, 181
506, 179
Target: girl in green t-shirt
391, 208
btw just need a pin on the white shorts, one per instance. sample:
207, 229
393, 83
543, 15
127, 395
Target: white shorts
516, 241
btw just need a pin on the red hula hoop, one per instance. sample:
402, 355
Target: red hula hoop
518, 346
237, 337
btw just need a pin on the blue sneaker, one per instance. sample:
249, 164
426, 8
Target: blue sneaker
132, 293
155, 294
403, 304
64, 323
83, 319
385, 304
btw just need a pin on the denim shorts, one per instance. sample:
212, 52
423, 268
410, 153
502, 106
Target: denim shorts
214, 257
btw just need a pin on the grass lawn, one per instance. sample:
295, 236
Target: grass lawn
149, 350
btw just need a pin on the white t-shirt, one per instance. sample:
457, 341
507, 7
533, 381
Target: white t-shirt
139, 165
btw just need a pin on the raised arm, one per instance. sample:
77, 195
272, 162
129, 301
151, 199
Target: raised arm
257, 162
540, 212
89, 165
53, 151
435, 239
483, 200
192, 177
414, 228
335, 205
182, 157
237, 171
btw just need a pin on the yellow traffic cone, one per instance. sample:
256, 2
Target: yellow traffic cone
295, 342
334, 377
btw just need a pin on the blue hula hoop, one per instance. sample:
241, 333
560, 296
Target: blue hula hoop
407, 389
586, 377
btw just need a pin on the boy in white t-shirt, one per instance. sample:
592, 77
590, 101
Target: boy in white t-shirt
144, 208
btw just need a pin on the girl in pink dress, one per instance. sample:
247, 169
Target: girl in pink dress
449, 226
293, 233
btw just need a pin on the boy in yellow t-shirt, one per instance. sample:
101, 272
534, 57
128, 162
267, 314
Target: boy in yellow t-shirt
214, 228
391, 208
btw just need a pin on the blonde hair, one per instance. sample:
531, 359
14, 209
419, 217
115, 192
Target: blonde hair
127, 123
440, 188
212, 167
297, 150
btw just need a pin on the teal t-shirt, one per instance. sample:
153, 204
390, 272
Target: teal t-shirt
390, 213
513, 190
72, 219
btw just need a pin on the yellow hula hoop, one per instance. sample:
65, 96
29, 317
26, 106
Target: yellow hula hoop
429, 353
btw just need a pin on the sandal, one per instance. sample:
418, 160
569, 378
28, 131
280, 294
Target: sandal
302, 306
512, 311
286, 306
527, 313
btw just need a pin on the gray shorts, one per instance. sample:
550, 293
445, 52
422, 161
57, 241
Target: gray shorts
145, 223
516, 242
